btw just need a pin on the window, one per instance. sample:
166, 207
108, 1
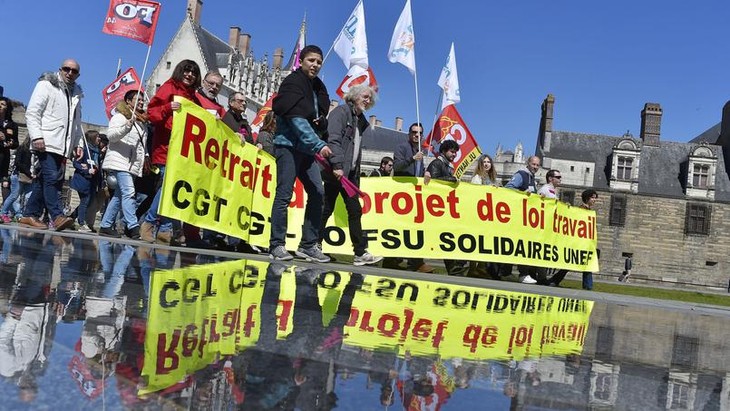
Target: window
168, 65
701, 175
623, 170
697, 219
617, 213
603, 386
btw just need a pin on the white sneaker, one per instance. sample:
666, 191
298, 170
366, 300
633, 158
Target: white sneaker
312, 253
526, 279
83, 228
366, 259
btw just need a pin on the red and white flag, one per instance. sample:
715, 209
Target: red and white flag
450, 126
114, 92
136, 19
357, 75
259, 120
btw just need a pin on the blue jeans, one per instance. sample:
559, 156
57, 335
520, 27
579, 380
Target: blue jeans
17, 190
291, 164
151, 216
47, 187
587, 280
124, 198
114, 266
84, 200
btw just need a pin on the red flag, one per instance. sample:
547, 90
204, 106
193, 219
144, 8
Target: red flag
136, 19
259, 120
357, 75
450, 126
114, 92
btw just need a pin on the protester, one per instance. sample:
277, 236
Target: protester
408, 161
385, 169
54, 127
442, 169
126, 160
347, 124
235, 117
550, 189
98, 199
207, 94
20, 183
184, 81
524, 180
8, 140
300, 106
87, 177
589, 198
485, 173
265, 139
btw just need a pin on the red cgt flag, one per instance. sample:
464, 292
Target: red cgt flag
259, 120
450, 126
114, 92
357, 75
136, 19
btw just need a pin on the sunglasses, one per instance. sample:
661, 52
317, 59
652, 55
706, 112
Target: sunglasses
70, 70
558, 177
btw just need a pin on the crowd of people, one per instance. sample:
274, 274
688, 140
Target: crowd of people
120, 174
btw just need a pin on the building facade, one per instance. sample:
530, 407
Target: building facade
662, 203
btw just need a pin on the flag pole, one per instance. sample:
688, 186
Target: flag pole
119, 66
435, 119
141, 81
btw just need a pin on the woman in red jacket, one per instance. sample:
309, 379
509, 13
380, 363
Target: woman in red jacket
184, 81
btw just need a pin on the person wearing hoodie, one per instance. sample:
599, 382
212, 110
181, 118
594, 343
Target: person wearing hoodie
53, 117
126, 159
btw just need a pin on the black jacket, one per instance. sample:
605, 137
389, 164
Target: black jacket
440, 170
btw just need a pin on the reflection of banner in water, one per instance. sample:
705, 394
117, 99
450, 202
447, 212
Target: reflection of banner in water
202, 312
197, 313
214, 182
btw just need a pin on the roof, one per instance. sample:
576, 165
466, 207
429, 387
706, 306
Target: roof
662, 169
214, 50
382, 139
709, 136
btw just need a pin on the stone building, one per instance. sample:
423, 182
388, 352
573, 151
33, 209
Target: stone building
663, 203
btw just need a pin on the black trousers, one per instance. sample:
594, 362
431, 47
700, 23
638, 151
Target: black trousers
354, 214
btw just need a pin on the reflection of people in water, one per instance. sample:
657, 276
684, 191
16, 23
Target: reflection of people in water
27, 331
298, 371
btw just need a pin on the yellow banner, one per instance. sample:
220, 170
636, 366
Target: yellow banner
211, 179
198, 314
214, 182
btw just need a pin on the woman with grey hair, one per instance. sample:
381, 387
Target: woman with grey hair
346, 126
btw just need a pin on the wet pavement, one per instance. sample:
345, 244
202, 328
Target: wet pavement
89, 323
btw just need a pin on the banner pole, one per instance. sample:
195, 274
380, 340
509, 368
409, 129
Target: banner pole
141, 81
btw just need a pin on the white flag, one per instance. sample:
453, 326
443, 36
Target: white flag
352, 44
449, 81
403, 42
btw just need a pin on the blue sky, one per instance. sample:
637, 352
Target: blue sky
601, 60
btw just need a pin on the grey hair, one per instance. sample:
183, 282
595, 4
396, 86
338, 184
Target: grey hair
358, 89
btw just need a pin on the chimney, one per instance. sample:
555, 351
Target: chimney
399, 124
373, 120
195, 8
278, 57
378, 123
651, 124
243, 43
546, 125
233, 34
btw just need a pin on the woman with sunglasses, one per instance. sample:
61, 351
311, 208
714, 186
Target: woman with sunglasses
184, 81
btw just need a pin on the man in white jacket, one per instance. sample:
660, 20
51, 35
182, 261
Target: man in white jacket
54, 127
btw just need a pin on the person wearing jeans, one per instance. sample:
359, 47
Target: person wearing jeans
125, 160
300, 106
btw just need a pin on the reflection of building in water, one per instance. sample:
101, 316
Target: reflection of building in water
604, 384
